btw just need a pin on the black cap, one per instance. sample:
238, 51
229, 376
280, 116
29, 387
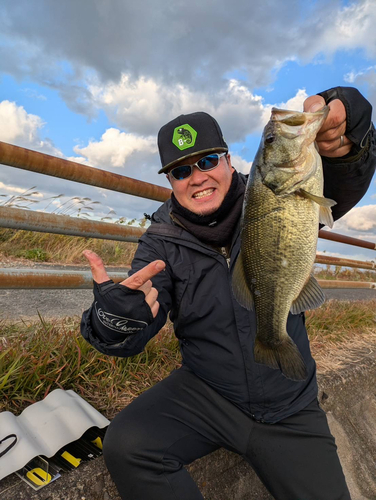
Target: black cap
189, 135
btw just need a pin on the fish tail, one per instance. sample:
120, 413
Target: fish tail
285, 357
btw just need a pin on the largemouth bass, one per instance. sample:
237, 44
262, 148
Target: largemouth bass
283, 205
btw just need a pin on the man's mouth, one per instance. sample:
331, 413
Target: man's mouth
202, 194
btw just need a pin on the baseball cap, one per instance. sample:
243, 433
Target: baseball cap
189, 135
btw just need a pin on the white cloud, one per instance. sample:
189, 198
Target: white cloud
295, 103
139, 105
240, 164
360, 219
23, 129
195, 45
115, 148
16, 190
346, 28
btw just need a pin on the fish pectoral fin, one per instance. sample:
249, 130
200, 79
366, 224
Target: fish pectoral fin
239, 285
325, 214
326, 217
310, 297
320, 200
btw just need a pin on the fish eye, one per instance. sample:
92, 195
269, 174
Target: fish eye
269, 138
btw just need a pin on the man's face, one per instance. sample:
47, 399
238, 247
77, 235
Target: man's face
203, 192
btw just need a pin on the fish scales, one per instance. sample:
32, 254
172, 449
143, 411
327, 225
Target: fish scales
279, 238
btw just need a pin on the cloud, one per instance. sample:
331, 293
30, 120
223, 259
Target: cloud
240, 164
366, 77
72, 46
361, 219
139, 105
295, 103
23, 129
33, 94
16, 190
115, 148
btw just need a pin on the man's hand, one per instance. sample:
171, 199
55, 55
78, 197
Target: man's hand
329, 136
138, 281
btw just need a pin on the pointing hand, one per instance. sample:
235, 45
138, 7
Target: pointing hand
141, 280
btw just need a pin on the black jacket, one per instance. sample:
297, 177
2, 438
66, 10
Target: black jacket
215, 333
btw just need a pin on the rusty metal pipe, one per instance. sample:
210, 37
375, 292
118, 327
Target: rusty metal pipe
328, 235
336, 261
49, 279
16, 218
346, 284
26, 159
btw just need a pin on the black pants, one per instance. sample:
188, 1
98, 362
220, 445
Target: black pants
181, 419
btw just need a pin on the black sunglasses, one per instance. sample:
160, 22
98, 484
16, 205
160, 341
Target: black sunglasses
204, 164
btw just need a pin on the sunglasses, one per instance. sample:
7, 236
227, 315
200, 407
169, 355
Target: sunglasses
204, 164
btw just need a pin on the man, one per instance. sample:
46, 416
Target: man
219, 397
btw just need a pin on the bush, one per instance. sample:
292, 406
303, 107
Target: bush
34, 254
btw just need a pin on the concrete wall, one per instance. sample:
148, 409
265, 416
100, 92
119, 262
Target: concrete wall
349, 398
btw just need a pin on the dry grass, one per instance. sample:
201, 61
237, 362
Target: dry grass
56, 248
344, 273
38, 357
341, 333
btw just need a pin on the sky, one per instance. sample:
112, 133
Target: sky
93, 81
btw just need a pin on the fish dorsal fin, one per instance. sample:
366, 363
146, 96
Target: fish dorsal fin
310, 297
239, 285
325, 214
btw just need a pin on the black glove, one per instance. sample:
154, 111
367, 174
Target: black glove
120, 309
358, 112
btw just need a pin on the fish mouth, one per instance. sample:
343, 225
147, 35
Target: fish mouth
203, 193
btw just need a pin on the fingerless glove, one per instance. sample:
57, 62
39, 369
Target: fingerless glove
358, 112
119, 309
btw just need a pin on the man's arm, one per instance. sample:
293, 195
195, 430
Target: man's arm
348, 164
125, 316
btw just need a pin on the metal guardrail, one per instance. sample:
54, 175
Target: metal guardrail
27, 159
17, 218
51, 279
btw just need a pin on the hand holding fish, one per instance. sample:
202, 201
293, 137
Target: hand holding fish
331, 139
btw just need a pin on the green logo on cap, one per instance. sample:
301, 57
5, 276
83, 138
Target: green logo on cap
184, 137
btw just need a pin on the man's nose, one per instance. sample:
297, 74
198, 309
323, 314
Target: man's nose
198, 177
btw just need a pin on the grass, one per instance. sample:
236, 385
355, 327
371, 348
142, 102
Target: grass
344, 273
38, 357
341, 332
62, 249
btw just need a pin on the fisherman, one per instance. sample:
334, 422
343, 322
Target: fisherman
183, 265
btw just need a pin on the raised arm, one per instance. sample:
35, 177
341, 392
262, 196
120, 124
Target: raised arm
347, 145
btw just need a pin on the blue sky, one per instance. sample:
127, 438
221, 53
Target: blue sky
94, 81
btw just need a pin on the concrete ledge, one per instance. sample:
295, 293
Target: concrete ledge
348, 397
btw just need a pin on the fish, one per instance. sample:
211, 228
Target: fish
283, 205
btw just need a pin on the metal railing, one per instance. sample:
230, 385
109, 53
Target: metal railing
15, 218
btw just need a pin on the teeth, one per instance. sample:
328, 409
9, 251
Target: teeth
201, 194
